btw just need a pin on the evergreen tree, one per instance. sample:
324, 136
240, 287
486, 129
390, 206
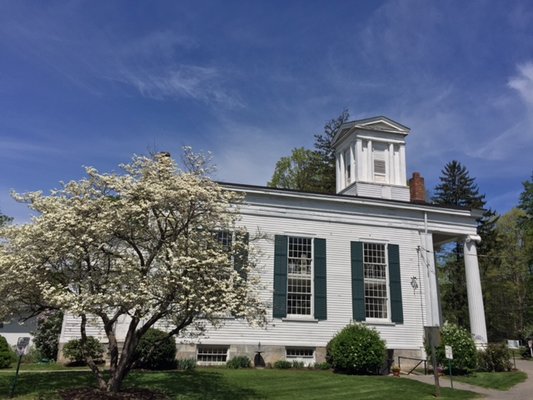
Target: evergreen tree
457, 188
326, 152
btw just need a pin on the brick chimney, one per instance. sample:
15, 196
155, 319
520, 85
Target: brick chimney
417, 188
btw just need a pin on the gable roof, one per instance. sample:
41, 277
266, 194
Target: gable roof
379, 123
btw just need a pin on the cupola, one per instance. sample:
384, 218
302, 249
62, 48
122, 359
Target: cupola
370, 159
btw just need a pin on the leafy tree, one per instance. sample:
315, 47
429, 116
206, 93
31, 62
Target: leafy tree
297, 171
308, 170
457, 188
507, 281
526, 204
139, 246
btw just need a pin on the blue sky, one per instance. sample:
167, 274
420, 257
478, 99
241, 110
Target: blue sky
91, 83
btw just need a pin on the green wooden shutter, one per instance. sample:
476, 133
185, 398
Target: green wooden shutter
241, 257
395, 284
280, 277
321, 309
358, 282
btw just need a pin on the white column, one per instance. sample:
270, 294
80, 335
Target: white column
359, 160
397, 179
353, 166
338, 174
390, 165
431, 287
473, 289
403, 167
369, 161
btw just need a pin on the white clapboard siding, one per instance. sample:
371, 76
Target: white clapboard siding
71, 328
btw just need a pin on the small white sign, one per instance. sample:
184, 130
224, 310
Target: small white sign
23, 346
449, 352
513, 344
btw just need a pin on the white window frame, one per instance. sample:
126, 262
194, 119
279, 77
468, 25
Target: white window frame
295, 276
386, 281
291, 354
212, 350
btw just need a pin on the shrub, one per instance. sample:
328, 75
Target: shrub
239, 362
282, 364
357, 349
7, 356
298, 364
33, 356
186, 364
156, 351
46, 336
323, 366
495, 358
463, 346
75, 353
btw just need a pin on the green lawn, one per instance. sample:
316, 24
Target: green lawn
494, 380
238, 384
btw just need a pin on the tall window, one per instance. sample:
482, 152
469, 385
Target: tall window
380, 165
225, 239
299, 276
375, 274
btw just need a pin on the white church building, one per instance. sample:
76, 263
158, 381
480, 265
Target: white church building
365, 254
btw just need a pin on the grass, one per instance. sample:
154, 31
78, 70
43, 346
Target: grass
494, 380
227, 384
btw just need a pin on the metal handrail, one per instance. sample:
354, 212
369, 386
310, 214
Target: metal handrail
420, 361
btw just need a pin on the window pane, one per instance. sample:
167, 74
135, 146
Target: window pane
212, 354
299, 276
375, 273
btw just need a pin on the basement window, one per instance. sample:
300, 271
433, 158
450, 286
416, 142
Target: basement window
305, 355
212, 354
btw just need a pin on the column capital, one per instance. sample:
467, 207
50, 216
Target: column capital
472, 238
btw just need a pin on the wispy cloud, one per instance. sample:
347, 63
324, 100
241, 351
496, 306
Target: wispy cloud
523, 82
190, 81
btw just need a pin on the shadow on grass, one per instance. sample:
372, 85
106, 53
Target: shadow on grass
192, 385
181, 385
29, 383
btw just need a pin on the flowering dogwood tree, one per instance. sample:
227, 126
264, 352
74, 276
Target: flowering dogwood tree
140, 246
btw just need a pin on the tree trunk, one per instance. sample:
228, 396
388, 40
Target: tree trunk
125, 361
90, 362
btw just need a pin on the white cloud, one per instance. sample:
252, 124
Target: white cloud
523, 83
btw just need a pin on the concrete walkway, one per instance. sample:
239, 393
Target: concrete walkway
522, 391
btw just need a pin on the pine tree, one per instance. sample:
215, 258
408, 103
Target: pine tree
457, 188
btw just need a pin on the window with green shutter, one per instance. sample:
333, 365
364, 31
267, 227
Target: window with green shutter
300, 277
376, 283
